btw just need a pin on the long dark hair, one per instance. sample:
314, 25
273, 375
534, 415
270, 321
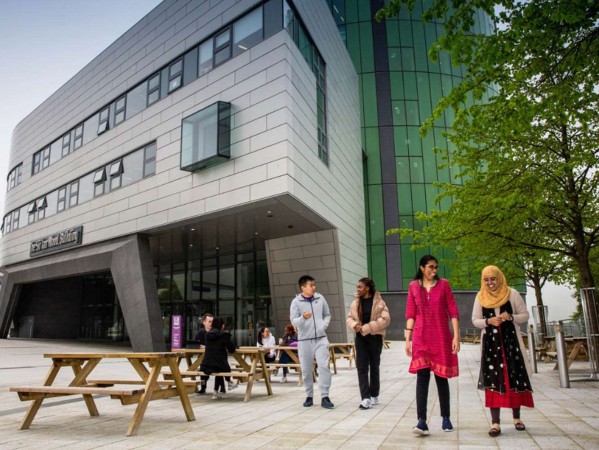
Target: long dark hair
423, 262
261, 335
217, 323
369, 283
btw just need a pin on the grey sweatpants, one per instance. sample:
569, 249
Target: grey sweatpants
308, 351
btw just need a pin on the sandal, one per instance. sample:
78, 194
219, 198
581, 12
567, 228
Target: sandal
495, 430
519, 425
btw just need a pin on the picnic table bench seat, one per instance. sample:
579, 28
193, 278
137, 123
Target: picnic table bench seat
36, 392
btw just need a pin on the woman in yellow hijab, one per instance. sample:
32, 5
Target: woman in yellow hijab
504, 370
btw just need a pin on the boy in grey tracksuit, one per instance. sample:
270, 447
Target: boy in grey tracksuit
309, 313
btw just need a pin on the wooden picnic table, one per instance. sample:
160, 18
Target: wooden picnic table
147, 365
251, 366
575, 347
341, 350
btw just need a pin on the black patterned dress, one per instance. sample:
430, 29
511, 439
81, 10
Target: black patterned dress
503, 373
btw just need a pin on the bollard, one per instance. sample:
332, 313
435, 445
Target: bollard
562, 361
532, 349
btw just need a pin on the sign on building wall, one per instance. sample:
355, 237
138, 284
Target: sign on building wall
177, 331
57, 241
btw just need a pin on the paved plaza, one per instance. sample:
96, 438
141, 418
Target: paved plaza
562, 419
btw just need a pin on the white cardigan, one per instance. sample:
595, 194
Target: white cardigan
520, 315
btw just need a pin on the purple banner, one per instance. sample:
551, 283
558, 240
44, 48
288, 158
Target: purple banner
176, 331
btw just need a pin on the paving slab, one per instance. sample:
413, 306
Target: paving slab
562, 418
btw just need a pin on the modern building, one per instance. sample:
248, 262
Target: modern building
399, 88
212, 155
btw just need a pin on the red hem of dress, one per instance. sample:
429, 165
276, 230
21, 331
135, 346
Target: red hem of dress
439, 370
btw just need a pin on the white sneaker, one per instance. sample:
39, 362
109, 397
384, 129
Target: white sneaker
284, 380
221, 395
215, 395
366, 404
374, 400
232, 385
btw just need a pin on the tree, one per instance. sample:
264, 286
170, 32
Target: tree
526, 131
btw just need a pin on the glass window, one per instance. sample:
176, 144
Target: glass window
205, 137
119, 110
62, 195
12, 178
222, 47
6, 224
273, 18
136, 100
149, 160
73, 193
153, 89
78, 137
90, 128
19, 173
175, 75
116, 169
36, 165
99, 179
66, 144
86, 188
103, 121
205, 59
45, 157
41, 203
247, 31
15, 219
133, 166
100, 175
51, 206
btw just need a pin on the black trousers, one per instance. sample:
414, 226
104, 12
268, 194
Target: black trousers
368, 360
422, 382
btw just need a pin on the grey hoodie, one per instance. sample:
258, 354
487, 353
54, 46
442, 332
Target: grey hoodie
316, 326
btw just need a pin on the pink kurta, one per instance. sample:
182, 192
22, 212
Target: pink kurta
431, 337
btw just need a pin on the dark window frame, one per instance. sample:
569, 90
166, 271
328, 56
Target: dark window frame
120, 110
103, 120
66, 144
73, 194
77, 136
153, 89
61, 204
226, 46
172, 76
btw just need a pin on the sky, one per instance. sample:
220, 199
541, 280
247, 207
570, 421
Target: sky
43, 43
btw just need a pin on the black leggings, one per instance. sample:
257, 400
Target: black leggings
495, 414
219, 383
422, 382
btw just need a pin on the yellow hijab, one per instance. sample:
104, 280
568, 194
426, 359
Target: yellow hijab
493, 299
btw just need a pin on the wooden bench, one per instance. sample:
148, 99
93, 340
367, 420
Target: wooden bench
386, 344
39, 392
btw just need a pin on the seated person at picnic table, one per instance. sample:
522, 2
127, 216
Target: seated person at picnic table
218, 343
289, 339
201, 338
265, 339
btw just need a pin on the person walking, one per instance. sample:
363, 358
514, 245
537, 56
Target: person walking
429, 341
309, 313
369, 318
504, 369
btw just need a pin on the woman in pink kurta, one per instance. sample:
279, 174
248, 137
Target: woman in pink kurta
429, 342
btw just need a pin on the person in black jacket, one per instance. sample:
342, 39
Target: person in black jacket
218, 343
201, 338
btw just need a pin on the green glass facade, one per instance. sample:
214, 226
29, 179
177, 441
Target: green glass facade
400, 86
